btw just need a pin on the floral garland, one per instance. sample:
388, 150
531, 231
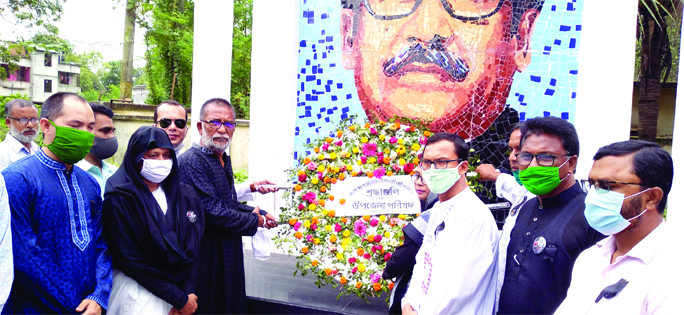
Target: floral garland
349, 251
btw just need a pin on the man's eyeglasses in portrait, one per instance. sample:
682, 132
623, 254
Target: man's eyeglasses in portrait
24, 121
603, 186
525, 159
166, 122
216, 124
439, 164
464, 10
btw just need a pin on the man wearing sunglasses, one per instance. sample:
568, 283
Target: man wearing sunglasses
173, 118
551, 230
627, 194
21, 117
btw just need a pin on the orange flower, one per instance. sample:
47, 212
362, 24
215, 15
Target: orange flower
412, 129
305, 249
386, 160
322, 201
392, 223
352, 128
366, 217
358, 285
344, 220
293, 221
369, 174
331, 213
367, 125
381, 123
353, 174
342, 201
307, 160
331, 197
334, 180
316, 149
371, 238
342, 176
416, 161
391, 284
326, 179
329, 140
343, 280
389, 173
298, 235
328, 271
377, 286
426, 133
360, 251
314, 220
314, 263
339, 133
323, 189
333, 239
298, 187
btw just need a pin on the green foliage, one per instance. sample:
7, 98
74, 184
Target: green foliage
110, 73
3, 100
673, 23
240, 88
241, 176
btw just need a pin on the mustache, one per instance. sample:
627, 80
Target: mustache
431, 52
27, 130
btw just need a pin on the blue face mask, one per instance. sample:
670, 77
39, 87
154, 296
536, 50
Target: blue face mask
602, 210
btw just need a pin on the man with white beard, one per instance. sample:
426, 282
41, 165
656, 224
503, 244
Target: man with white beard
207, 168
21, 117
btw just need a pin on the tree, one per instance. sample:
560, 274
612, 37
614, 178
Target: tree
240, 89
656, 59
128, 43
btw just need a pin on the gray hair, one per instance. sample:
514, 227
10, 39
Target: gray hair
217, 102
17, 102
52, 107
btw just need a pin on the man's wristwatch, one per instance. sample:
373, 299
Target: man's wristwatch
252, 187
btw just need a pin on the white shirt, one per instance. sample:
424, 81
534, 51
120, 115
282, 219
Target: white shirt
507, 187
455, 271
160, 196
11, 150
652, 267
6, 261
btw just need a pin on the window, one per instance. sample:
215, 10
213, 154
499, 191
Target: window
48, 60
24, 74
47, 87
64, 77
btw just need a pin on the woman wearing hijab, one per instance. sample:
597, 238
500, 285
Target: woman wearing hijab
153, 224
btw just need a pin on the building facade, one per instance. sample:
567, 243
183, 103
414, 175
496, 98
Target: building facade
41, 74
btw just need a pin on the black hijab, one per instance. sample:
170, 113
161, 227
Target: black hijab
143, 240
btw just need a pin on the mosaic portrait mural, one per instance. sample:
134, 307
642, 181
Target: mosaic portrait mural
476, 67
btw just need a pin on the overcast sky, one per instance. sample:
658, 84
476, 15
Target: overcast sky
90, 25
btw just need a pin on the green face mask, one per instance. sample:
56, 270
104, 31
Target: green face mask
541, 180
516, 175
441, 180
70, 145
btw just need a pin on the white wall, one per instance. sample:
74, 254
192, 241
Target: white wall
675, 218
605, 79
212, 55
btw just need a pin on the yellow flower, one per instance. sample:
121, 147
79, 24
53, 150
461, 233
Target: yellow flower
340, 256
345, 242
414, 147
362, 268
387, 151
312, 207
400, 141
347, 155
382, 137
355, 150
328, 227
334, 155
402, 161
336, 170
317, 240
402, 216
346, 233
307, 223
325, 212
349, 167
359, 162
364, 139
382, 218
372, 160
314, 180
321, 157
321, 168
387, 234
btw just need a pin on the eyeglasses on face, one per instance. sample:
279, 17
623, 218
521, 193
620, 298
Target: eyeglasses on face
416, 177
464, 10
216, 124
24, 121
604, 186
543, 159
166, 122
439, 164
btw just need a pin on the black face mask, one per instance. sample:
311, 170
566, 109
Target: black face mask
104, 148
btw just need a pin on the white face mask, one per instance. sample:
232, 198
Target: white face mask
156, 171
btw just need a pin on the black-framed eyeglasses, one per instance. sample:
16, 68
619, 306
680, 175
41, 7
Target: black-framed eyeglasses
603, 186
417, 177
543, 159
216, 124
439, 164
464, 10
166, 122
24, 121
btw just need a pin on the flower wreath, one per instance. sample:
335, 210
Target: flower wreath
351, 251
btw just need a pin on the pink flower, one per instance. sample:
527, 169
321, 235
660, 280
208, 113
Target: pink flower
354, 270
360, 228
343, 168
302, 178
378, 238
338, 143
325, 147
393, 140
352, 260
370, 149
364, 160
388, 256
297, 225
300, 207
373, 131
338, 227
314, 226
311, 166
332, 248
423, 140
334, 271
374, 248
366, 256
396, 167
320, 175
374, 222
379, 173
310, 197
408, 129
375, 278
309, 238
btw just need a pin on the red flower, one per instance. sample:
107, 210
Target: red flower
408, 167
302, 178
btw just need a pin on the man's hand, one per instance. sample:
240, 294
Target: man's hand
89, 307
271, 221
191, 306
408, 310
261, 218
487, 172
262, 189
174, 311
